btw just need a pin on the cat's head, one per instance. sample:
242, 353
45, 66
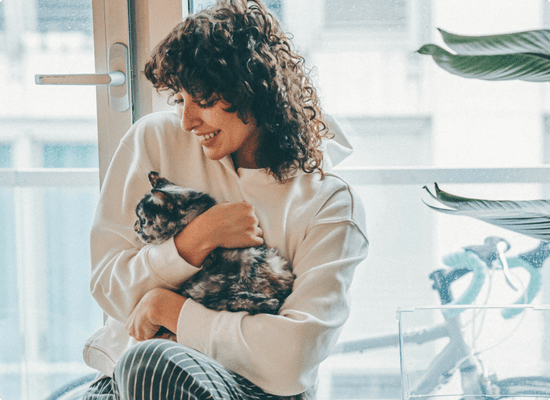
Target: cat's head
167, 209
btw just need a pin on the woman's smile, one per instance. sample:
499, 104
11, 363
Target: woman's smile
221, 133
206, 139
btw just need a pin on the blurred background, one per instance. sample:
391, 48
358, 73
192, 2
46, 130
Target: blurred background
410, 124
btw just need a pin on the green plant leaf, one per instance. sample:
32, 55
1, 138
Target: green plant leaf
530, 217
523, 66
512, 43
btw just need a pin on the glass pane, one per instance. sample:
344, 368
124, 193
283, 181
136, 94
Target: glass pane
197, 5
368, 14
275, 6
408, 242
381, 90
10, 346
46, 310
5, 156
70, 156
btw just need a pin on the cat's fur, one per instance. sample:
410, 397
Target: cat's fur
254, 279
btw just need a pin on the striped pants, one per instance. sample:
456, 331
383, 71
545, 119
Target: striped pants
164, 370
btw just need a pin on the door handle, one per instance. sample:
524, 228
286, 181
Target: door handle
116, 79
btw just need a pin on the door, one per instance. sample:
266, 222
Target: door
56, 142
49, 184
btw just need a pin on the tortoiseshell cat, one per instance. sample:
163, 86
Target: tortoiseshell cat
253, 279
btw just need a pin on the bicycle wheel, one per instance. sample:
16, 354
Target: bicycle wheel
528, 387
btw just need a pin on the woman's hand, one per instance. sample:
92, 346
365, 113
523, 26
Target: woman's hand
229, 225
158, 308
232, 225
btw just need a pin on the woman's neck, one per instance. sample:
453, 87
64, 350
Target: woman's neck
241, 160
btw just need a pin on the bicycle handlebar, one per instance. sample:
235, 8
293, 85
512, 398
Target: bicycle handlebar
470, 261
477, 259
532, 261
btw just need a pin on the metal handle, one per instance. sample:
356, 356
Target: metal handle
115, 79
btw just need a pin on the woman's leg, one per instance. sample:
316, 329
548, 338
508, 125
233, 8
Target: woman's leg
101, 390
161, 369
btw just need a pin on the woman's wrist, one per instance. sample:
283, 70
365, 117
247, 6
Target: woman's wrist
166, 308
192, 245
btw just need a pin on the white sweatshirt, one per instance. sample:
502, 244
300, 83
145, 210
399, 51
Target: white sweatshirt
319, 225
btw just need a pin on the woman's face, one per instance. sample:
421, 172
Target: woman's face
219, 132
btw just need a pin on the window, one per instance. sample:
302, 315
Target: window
356, 386
5, 156
76, 17
2, 19
275, 6
49, 185
367, 14
411, 124
9, 321
70, 156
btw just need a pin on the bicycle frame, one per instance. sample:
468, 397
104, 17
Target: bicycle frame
445, 361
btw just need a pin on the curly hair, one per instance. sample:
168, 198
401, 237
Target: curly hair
237, 50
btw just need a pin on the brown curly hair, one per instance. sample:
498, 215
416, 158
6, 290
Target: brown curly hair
237, 50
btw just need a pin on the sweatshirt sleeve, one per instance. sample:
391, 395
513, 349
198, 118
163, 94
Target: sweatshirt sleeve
123, 268
281, 353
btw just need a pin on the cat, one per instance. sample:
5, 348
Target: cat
254, 279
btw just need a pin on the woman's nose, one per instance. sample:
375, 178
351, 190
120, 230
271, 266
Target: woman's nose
190, 116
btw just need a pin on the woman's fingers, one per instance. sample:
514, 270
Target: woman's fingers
235, 225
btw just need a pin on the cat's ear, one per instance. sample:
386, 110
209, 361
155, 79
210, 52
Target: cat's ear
153, 178
156, 180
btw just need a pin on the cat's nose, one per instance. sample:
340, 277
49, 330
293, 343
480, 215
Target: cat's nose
136, 226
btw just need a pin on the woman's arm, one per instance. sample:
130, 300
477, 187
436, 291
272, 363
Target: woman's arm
123, 268
158, 308
281, 353
229, 225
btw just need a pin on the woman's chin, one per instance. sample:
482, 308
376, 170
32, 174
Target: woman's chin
213, 155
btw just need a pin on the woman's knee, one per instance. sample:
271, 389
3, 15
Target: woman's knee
172, 369
140, 365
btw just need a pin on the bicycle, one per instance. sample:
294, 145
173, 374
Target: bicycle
459, 354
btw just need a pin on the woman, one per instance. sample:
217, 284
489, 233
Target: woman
249, 131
